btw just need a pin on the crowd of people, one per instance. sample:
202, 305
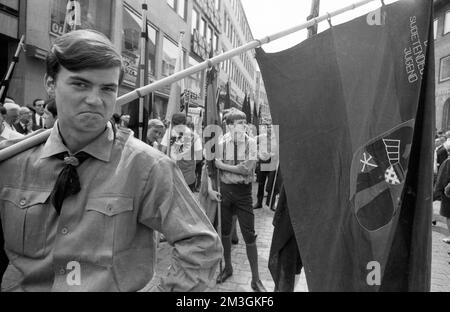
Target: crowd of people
114, 193
18, 121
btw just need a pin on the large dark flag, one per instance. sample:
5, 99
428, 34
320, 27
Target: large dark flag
355, 106
227, 97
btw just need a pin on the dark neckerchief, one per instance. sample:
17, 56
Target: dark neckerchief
68, 182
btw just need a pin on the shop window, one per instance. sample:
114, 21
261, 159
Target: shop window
95, 14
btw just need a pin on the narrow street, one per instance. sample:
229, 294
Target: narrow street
240, 281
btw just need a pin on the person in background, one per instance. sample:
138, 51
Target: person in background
442, 193
12, 115
50, 113
5, 132
24, 125
185, 148
124, 121
155, 133
116, 120
38, 114
237, 169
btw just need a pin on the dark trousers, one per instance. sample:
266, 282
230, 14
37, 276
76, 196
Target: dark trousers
262, 177
275, 185
237, 200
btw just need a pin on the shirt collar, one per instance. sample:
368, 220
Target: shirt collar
100, 148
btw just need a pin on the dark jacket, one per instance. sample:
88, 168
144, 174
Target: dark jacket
442, 181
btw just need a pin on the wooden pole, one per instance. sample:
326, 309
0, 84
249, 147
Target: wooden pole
133, 95
142, 69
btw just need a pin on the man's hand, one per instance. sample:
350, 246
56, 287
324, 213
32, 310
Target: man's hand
215, 196
219, 164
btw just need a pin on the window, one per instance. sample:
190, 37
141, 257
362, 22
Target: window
181, 4
447, 23
95, 14
194, 24
217, 5
435, 26
202, 28
209, 35
215, 42
444, 70
170, 54
194, 82
131, 46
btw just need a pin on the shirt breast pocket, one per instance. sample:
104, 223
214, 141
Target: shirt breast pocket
25, 220
109, 223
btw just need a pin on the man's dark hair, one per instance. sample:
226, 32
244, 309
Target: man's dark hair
2, 110
83, 49
233, 115
178, 119
37, 100
50, 105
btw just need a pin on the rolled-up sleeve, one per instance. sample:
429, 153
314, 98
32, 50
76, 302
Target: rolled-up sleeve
169, 207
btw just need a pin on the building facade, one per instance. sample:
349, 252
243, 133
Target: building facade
442, 65
219, 25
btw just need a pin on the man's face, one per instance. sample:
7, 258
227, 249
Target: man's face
155, 134
85, 100
39, 107
238, 129
24, 117
12, 116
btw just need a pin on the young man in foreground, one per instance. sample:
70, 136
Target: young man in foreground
79, 213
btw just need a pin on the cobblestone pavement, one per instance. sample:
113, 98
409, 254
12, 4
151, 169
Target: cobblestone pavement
240, 281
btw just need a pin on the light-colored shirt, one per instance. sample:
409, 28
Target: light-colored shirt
247, 156
268, 152
38, 120
9, 134
105, 235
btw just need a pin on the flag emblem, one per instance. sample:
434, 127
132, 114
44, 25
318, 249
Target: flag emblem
391, 176
377, 176
367, 162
